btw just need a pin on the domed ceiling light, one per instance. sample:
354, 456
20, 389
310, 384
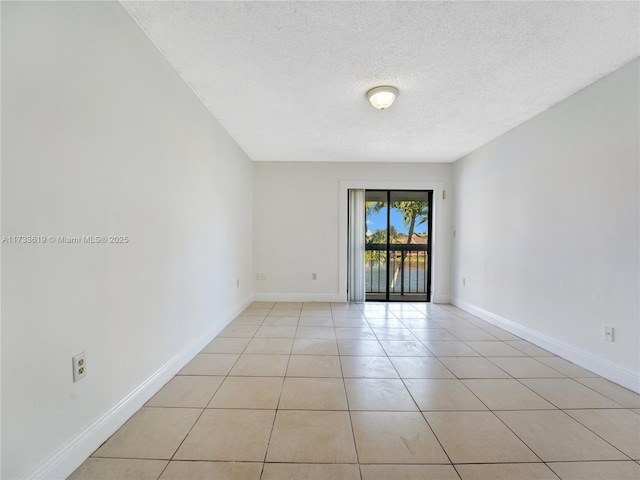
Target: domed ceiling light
382, 97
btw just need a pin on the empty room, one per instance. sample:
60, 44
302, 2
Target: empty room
320, 240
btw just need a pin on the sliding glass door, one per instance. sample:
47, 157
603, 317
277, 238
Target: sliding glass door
397, 245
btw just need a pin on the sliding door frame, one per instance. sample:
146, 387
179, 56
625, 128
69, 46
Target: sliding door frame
403, 297
440, 271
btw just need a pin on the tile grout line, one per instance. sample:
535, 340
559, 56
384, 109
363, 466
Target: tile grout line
275, 414
596, 433
402, 379
205, 408
344, 385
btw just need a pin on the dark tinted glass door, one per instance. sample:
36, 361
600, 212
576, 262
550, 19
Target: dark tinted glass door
398, 247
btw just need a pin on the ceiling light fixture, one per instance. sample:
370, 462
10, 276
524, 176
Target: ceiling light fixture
382, 97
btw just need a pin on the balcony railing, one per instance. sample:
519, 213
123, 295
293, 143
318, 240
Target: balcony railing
407, 269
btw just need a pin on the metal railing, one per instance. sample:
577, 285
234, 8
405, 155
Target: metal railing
407, 269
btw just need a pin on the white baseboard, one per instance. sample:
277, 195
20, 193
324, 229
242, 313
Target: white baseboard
77, 449
298, 297
605, 369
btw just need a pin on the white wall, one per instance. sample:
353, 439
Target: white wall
300, 224
546, 220
102, 137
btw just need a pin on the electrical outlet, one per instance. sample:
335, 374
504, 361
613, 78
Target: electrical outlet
314, 276
608, 333
79, 366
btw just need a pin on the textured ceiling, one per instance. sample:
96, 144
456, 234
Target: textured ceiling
288, 79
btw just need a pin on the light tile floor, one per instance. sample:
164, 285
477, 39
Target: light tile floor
375, 391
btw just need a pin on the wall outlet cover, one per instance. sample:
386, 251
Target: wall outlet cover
79, 363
